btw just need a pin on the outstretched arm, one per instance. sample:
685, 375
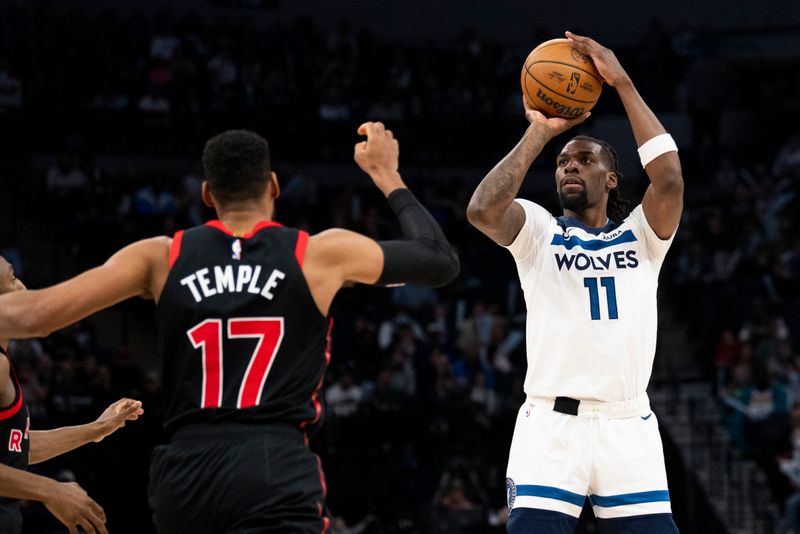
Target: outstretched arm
663, 200
46, 444
67, 501
423, 257
133, 271
492, 209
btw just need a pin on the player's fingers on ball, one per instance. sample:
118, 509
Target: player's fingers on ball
72, 529
87, 527
379, 126
583, 117
389, 134
362, 130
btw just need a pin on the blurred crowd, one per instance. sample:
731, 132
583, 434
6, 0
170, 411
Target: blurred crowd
735, 273
166, 64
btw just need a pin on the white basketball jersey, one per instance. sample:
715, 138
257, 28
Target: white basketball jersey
591, 300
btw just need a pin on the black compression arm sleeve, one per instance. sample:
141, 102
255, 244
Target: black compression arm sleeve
424, 257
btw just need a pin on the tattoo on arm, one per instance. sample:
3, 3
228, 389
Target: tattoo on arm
490, 209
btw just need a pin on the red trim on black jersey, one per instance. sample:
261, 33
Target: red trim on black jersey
300, 247
321, 507
12, 411
175, 247
260, 226
314, 395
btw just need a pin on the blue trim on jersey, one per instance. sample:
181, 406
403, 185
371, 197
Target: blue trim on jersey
550, 492
592, 244
565, 222
629, 498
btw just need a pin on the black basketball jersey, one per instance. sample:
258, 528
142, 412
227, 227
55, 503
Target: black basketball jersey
240, 336
14, 444
14, 427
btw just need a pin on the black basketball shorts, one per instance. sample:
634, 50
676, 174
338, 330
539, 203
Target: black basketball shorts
237, 478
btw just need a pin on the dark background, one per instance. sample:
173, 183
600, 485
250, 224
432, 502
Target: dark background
103, 115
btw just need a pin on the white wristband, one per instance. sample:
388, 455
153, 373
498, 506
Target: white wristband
658, 145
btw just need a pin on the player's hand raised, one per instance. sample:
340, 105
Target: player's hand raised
604, 59
379, 156
71, 505
115, 416
553, 126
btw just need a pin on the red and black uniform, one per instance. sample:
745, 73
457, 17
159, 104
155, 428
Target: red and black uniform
244, 350
14, 447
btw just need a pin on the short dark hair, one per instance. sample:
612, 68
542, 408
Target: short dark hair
617, 207
236, 165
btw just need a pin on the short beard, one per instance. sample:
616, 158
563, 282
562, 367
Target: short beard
573, 201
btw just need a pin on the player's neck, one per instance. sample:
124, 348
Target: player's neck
242, 219
591, 217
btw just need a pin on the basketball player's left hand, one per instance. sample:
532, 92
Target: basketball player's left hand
553, 126
115, 416
604, 59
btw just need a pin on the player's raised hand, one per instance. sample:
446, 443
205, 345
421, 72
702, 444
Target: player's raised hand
379, 156
71, 505
604, 59
115, 416
552, 125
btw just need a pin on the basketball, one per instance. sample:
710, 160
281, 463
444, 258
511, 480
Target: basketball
559, 81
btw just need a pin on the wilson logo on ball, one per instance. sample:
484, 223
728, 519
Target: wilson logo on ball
561, 109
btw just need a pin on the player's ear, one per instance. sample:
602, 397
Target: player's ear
274, 186
205, 194
611, 180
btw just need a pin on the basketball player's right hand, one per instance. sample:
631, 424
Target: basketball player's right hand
71, 505
379, 156
551, 126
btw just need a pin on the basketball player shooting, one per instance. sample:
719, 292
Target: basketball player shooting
242, 317
589, 279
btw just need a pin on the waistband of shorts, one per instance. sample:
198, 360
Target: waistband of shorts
230, 430
613, 410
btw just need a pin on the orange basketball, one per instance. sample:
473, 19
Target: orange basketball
559, 81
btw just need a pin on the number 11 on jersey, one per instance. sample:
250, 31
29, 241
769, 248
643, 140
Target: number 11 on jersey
594, 296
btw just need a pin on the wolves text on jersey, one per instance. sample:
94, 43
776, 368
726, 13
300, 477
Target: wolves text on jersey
207, 282
620, 259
